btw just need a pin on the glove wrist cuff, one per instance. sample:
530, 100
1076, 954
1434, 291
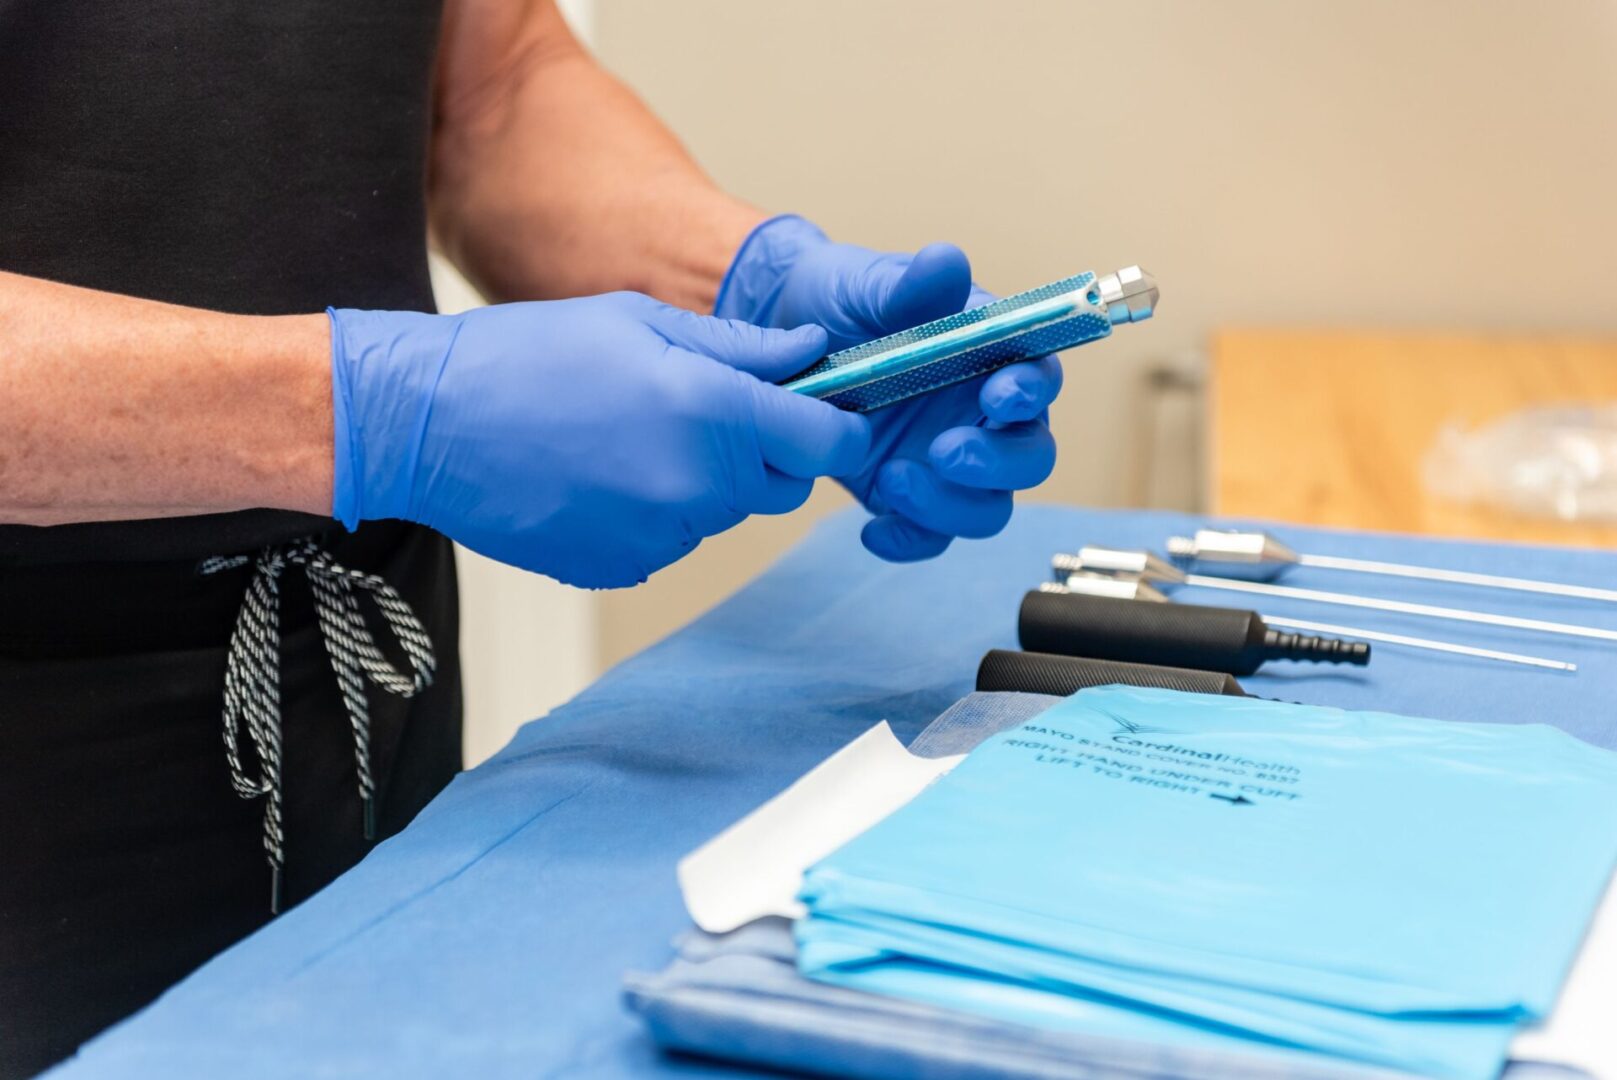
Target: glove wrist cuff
347, 456
385, 367
759, 268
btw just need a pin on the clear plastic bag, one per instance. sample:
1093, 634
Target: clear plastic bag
1556, 461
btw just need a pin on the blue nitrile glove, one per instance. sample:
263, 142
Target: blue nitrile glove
594, 440
941, 465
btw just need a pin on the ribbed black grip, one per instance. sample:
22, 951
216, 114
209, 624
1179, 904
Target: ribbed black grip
1289, 645
1041, 673
1176, 635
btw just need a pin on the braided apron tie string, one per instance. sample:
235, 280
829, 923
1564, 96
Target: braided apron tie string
252, 696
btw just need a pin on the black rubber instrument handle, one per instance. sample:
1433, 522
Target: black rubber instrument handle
1041, 673
1176, 635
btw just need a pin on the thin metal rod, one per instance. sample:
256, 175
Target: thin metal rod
1421, 643
1459, 577
1428, 610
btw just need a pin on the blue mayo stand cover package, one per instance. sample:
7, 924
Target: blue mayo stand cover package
1234, 872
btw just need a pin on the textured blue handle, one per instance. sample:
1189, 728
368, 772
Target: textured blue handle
926, 370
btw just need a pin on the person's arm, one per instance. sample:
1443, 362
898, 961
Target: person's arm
551, 179
115, 408
502, 427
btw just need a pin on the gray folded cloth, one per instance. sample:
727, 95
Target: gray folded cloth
738, 997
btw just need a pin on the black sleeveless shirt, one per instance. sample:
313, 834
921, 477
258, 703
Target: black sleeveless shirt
250, 157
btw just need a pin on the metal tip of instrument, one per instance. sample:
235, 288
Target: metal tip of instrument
1251, 554
1062, 563
1141, 564
1125, 561
1130, 295
1181, 547
1116, 586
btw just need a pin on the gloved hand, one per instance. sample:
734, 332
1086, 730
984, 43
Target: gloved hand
594, 440
941, 465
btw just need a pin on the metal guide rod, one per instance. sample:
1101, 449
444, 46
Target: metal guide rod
1421, 643
1458, 577
1257, 552
1427, 610
1126, 563
1093, 584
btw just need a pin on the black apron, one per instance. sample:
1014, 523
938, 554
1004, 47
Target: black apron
261, 158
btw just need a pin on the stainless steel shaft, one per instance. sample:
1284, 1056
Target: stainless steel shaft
1259, 556
1458, 577
1421, 643
1431, 611
1128, 587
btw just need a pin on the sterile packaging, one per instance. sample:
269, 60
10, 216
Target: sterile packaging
738, 996
1197, 870
1555, 461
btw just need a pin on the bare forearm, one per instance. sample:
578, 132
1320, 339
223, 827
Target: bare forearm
113, 407
551, 179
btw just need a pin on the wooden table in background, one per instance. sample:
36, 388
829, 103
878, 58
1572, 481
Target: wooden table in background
1327, 428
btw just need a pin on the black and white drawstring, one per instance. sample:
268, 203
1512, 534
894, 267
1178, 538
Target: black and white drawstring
253, 672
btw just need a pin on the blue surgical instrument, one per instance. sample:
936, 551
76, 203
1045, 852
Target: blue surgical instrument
1053, 317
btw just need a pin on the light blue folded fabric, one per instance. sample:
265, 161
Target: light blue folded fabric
1212, 872
739, 996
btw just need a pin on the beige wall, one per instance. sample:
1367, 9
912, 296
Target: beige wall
1389, 162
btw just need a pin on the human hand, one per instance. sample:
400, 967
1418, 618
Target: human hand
941, 465
594, 440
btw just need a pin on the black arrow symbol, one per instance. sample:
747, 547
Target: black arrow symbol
1233, 800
